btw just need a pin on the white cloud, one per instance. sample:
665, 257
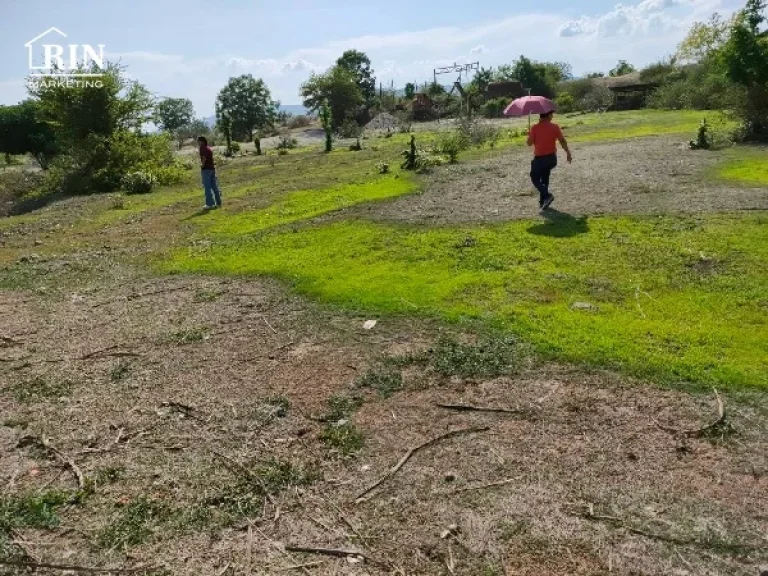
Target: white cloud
145, 56
299, 65
479, 49
647, 17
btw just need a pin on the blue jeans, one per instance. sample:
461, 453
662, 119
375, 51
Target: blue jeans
211, 185
541, 168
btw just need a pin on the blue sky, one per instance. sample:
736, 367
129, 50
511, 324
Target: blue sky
188, 48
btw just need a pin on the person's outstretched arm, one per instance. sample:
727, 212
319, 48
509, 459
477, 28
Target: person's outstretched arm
564, 144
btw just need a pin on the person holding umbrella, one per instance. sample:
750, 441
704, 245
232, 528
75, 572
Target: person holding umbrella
543, 136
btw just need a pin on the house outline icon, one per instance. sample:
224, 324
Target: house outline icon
29, 44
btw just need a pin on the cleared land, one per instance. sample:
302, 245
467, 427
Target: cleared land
214, 419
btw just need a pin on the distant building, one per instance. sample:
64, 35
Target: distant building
421, 106
629, 91
508, 89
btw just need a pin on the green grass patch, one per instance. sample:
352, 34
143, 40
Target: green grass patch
341, 406
749, 168
27, 511
306, 204
385, 381
676, 299
245, 496
343, 437
134, 524
487, 358
39, 389
188, 335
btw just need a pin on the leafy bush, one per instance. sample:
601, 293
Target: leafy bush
300, 121
382, 167
282, 152
404, 121
287, 142
234, 147
702, 138
101, 165
472, 132
450, 145
564, 102
700, 91
494, 108
138, 182
350, 129
16, 184
485, 134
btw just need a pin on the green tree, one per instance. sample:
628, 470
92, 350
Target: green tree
191, 130
434, 90
359, 65
595, 75
78, 111
248, 103
338, 89
98, 130
172, 113
534, 76
622, 68
745, 58
704, 39
410, 90
23, 132
482, 78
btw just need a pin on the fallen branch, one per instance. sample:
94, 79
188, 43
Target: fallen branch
282, 551
722, 421
470, 408
394, 470
35, 565
337, 553
268, 324
68, 461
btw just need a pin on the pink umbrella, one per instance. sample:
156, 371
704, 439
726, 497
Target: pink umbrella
530, 105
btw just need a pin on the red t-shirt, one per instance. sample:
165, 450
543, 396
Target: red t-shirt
545, 136
206, 158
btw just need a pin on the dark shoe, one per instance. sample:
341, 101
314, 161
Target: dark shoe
548, 202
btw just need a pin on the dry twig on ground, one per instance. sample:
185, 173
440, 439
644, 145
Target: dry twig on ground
71, 568
66, 460
394, 470
493, 409
721, 422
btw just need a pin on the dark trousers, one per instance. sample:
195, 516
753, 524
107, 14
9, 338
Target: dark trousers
541, 168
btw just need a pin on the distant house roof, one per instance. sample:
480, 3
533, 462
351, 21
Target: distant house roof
625, 82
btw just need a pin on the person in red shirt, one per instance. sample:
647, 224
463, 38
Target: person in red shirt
208, 172
544, 137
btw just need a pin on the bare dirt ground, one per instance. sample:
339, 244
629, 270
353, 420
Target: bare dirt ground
160, 391
648, 176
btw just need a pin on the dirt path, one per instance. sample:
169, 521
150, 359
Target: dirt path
638, 176
142, 382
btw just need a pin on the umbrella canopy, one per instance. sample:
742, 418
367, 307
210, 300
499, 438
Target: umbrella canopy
530, 105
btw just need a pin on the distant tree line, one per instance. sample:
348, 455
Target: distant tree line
92, 139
